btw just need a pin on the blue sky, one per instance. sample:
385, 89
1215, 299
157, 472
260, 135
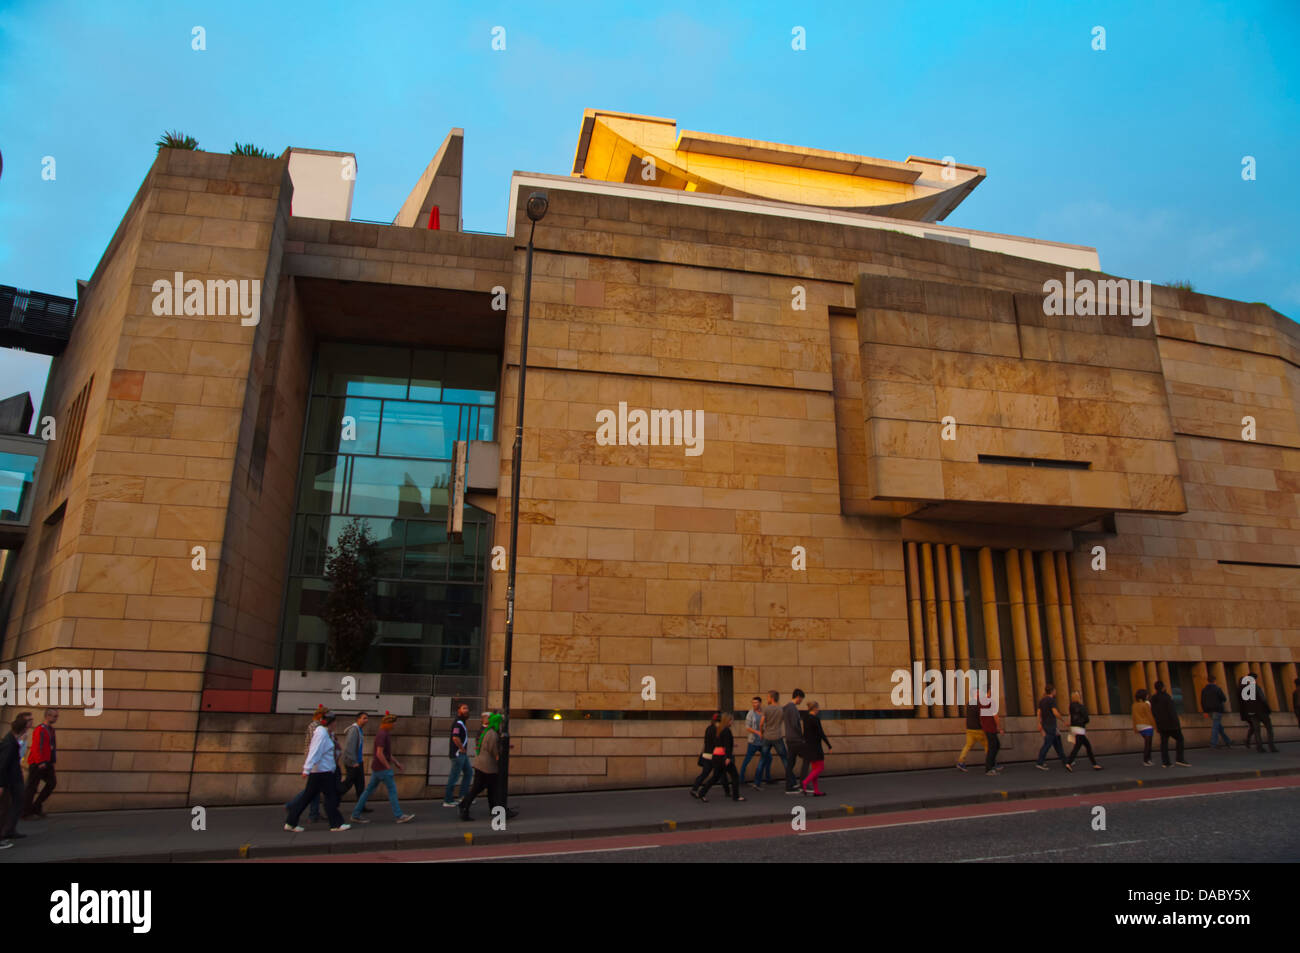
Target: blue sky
1136, 150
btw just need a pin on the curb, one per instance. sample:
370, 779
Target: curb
492, 838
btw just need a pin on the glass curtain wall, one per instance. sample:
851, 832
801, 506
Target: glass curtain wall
381, 423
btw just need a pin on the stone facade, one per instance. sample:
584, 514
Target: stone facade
822, 430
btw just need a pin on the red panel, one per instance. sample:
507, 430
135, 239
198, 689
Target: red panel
263, 679
259, 702
433, 218
219, 699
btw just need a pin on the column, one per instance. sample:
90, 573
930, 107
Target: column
959, 607
1098, 673
1289, 685
1016, 595
992, 636
945, 620
931, 617
1081, 674
1265, 670
1035, 626
1153, 676
1060, 673
916, 623
1200, 673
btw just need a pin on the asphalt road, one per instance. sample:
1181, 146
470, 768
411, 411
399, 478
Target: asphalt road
1228, 827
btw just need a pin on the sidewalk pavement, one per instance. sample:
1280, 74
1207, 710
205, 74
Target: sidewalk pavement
234, 832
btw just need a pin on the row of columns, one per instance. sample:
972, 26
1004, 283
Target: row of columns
938, 623
939, 636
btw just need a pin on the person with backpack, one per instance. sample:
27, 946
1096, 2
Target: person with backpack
40, 764
1213, 703
1078, 728
724, 765
1144, 723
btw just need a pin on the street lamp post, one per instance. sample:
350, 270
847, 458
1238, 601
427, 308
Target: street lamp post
536, 209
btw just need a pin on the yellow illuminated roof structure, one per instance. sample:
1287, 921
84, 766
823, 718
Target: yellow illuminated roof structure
648, 150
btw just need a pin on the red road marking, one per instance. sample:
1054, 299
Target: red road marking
759, 831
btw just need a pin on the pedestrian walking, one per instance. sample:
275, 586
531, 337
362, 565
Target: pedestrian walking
458, 752
705, 760
352, 757
773, 729
813, 738
486, 765
724, 767
11, 780
1049, 724
321, 771
293, 806
381, 772
1254, 708
1079, 731
1167, 723
991, 725
974, 734
1144, 723
794, 745
40, 765
1213, 703
754, 737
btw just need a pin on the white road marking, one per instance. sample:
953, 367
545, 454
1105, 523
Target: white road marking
1178, 797
937, 820
549, 853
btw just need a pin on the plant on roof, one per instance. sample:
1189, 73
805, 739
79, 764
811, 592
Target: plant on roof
176, 140
1183, 285
248, 149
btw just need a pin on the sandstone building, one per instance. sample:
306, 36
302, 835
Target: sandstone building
829, 327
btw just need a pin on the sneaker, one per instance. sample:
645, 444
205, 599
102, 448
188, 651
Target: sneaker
1042, 767
757, 787
405, 818
341, 827
695, 793
291, 830
1164, 765
1146, 764
703, 797
1069, 767
791, 790
6, 844
960, 766
989, 774
358, 820
510, 812
1182, 764
1096, 767
819, 794
739, 797
450, 803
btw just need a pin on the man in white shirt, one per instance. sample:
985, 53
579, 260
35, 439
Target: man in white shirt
319, 769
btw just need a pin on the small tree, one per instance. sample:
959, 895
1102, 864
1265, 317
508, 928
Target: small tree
248, 149
176, 140
350, 572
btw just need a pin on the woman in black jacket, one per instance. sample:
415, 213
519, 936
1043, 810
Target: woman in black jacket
705, 760
813, 737
724, 765
1078, 721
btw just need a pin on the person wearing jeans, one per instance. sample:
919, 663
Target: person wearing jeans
794, 745
352, 756
1049, 726
771, 727
1212, 704
755, 736
458, 752
381, 772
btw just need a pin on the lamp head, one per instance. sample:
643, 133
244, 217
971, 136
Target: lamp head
537, 205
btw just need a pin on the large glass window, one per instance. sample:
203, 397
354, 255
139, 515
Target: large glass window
17, 473
380, 428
